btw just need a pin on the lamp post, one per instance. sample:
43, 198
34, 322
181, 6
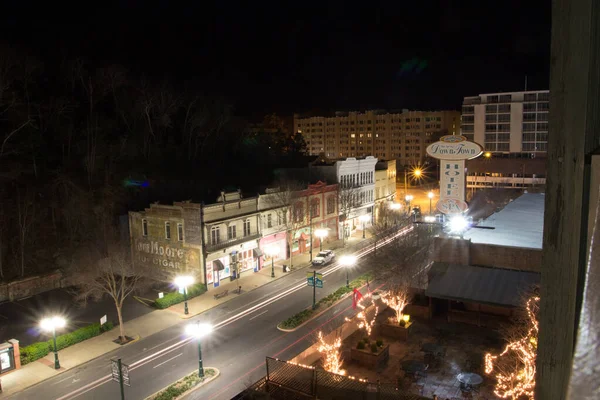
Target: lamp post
364, 219
321, 234
395, 207
272, 251
430, 195
408, 199
198, 331
347, 262
183, 281
51, 324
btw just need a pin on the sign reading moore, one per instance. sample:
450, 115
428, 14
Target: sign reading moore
454, 147
164, 256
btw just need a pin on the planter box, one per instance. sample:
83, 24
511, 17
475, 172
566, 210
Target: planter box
369, 359
396, 331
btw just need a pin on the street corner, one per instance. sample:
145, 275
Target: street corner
186, 385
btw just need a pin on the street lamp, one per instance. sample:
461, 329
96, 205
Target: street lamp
183, 281
430, 195
321, 234
198, 331
364, 219
417, 172
348, 261
50, 324
272, 251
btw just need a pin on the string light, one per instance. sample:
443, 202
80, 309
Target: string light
516, 364
365, 323
332, 358
396, 301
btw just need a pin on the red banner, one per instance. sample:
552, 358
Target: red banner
356, 296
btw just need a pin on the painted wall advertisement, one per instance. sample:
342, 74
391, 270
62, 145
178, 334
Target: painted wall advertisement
453, 151
165, 257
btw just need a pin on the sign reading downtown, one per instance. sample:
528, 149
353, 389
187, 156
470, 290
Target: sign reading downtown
454, 147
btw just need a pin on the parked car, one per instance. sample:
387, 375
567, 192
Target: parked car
324, 257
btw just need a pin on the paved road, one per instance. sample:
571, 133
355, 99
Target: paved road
20, 319
245, 332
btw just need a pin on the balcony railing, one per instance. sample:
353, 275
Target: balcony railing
231, 242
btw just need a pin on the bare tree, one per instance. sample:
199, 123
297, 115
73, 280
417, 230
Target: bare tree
284, 201
404, 260
348, 199
25, 208
111, 273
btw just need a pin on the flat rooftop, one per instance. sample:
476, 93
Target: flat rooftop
519, 224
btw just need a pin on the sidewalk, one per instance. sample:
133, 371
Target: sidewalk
152, 323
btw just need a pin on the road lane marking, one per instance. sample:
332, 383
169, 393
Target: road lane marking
62, 380
164, 362
335, 267
258, 315
282, 350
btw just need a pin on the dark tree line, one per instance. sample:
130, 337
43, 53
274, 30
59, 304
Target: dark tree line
82, 144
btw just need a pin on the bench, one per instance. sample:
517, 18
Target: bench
217, 296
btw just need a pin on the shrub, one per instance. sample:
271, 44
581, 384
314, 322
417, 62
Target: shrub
366, 340
38, 350
379, 343
182, 385
374, 347
402, 323
175, 297
360, 345
34, 352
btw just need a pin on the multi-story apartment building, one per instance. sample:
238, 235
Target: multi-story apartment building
402, 136
503, 123
513, 130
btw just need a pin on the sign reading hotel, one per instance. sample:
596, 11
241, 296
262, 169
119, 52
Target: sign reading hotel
453, 151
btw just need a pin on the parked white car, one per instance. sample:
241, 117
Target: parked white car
324, 257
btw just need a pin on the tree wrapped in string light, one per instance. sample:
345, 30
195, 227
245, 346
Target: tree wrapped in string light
515, 365
397, 300
332, 358
365, 322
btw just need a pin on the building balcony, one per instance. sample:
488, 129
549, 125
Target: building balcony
231, 242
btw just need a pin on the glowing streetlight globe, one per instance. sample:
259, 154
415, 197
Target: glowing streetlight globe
50, 324
198, 330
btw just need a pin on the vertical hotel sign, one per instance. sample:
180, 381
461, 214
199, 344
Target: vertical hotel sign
453, 151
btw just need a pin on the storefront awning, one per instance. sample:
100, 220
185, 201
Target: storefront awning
484, 285
257, 252
218, 265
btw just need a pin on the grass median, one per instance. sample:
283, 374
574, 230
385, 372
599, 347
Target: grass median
183, 385
298, 319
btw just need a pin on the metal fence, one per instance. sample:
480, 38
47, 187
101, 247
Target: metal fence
285, 380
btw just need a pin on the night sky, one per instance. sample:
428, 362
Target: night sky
305, 56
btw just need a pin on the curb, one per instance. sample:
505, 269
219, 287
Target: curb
63, 370
319, 314
191, 315
187, 392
